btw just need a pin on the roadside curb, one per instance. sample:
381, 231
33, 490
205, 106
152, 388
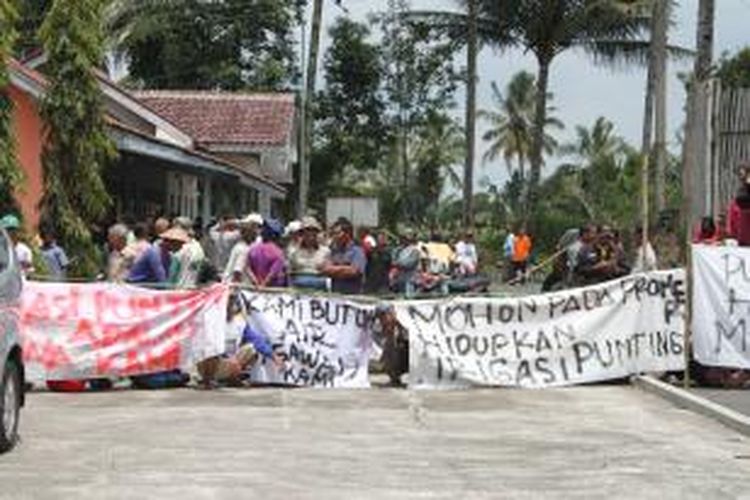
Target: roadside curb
684, 399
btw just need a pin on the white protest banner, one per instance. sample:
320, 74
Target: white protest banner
79, 331
602, 332
721, 306
325, 341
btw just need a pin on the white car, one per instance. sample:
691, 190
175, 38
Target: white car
11, 360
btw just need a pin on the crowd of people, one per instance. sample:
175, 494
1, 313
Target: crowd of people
263, 253
595, 254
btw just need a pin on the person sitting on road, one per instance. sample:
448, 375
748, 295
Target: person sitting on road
309, 257
440, 255
347, 263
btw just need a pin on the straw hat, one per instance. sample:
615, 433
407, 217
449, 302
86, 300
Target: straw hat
176, 234
253, 218
311, 223
293, 227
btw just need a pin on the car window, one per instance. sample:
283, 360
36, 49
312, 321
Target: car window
4, 251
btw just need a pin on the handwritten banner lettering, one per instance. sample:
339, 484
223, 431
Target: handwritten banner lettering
325, 342
79, 331
602, 332
721, 306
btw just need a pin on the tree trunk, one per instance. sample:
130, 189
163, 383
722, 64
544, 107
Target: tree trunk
694, 153
648, 108
661, 23
312, 70
537, 145
471, 114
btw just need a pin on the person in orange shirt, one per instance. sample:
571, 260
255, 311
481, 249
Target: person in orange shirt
521, 252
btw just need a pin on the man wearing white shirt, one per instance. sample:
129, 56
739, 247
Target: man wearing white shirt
466, 255
237, 270
645, 257
24, 255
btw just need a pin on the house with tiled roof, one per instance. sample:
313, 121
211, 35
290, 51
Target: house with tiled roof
255, 130
166, 165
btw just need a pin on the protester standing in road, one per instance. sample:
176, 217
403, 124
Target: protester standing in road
467, 257
521, 253
153, 265
308, 257
186, 263
406, 264
267, 261
238, 269
224, 235
645, 257
118, 265
24, 255
508, 250
378, 266
54, 256
347, 264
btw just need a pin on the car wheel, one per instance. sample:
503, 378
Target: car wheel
10, 406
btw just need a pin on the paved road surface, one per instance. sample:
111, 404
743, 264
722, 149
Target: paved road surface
736, 400
582, 442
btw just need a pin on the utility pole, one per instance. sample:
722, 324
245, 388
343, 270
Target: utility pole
307, 103
471, 113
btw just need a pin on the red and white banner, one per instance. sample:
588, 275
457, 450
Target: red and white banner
78, 331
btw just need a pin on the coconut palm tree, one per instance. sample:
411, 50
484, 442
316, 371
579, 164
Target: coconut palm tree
548, 28
591, 145
511, 122
473, 28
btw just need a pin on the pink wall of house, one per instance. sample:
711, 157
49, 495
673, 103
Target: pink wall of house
29, 132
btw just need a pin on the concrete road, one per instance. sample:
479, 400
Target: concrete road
588, 442
737, 400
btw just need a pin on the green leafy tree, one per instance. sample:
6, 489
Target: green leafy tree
232, 44
77, 149
511, 123
419, 77
438, 147
30, 17
10, 172
349, 111
734, 71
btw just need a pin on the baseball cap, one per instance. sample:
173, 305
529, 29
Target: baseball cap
10, 221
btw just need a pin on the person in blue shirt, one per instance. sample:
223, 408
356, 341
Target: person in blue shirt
152, 267
55, 259
347, 263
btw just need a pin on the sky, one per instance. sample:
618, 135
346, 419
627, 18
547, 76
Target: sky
582, 91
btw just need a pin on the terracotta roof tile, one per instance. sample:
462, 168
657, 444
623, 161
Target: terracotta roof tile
226, 118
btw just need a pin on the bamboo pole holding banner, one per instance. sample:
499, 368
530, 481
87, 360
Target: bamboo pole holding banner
644, 203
